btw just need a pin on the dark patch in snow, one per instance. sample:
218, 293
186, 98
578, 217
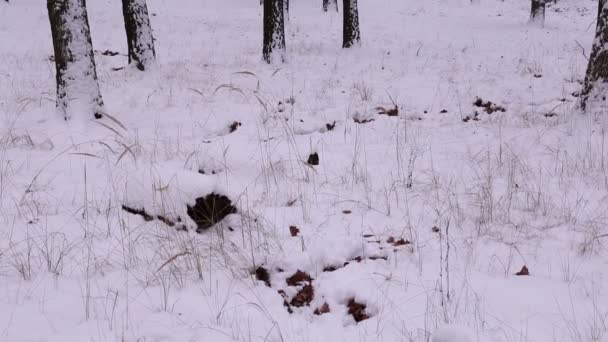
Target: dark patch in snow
210, 210
298, 278
262, 274
362, 121
293, 230
233, 126
304, 296
488, 106
313, 159
523, 272
323, 309
142, 212
388, 111
357, 310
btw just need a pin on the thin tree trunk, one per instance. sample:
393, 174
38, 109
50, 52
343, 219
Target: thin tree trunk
537, 12
330, 4
351, 34
139, 33
595, 88
274, 31
77, 87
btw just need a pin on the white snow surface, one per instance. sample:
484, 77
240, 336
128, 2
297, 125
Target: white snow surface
478, 196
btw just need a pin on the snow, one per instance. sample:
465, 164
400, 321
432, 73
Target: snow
477, 200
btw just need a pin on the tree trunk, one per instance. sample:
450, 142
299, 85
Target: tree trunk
595, 88
351, 35
139, 33
330, 4
76, 76
274, 31
537, 12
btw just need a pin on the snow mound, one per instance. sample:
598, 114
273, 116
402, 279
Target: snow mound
184, 198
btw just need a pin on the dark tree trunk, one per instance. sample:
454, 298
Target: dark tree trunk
537, 12
77, 86
351, 35
595, 88
274, 31
330, 4
139, 33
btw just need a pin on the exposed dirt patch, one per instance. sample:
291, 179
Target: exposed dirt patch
323, 309
234, 126
313, 159
141, 212
209, 210
488, 106
388, 111
303, 297
298, 278
357, 310
331, 126
294, 231
397, 242
523, 272
474, 117
262, 274
362, 121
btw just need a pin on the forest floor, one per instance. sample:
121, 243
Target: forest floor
412, 227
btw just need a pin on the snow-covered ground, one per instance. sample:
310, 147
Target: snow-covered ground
474, 197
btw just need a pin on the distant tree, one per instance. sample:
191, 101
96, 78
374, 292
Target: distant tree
350, 30
330, 4
537, 12
139, 33
274, 31
76, 76
595, 87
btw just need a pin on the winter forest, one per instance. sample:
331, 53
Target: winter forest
303, 170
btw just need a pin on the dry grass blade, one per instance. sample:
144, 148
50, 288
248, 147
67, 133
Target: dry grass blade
262, 103
113, 119
275, 72
171, 259
127, 149
246, 73
84, 154
110, 128
197, 91
229, 87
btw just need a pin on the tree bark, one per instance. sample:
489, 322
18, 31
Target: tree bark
537, 12
350, 33
139, 33
274, 31
330, 4
595, 87
77, 87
